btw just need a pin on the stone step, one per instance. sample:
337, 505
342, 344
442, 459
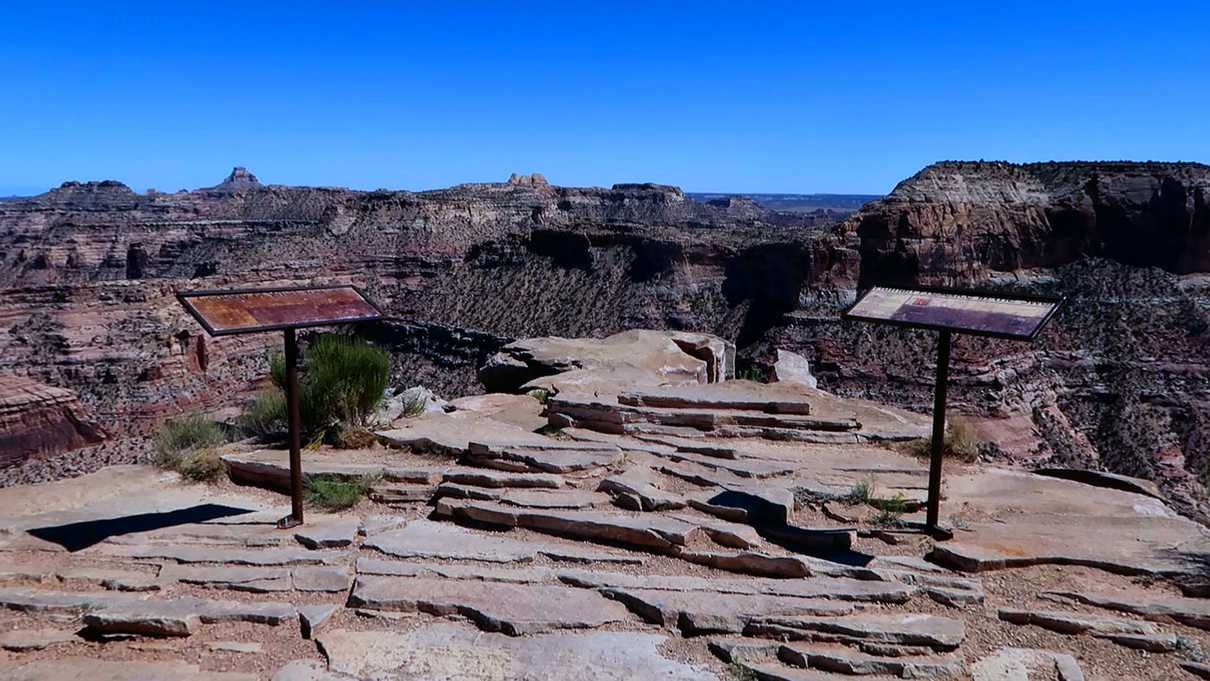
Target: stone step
1072, 623
607, 416
848, 662
522, 460
401, 494
922, 631
110, 613
524, 497
477, 477
649, 532
70, 669
444, 651
429, 539
702, 612
730, 395
813, 587
1192, 612
514, 609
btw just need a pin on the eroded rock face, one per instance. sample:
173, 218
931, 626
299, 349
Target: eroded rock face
35, 417
88, 272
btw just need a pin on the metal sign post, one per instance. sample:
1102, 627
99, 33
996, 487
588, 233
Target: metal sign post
240, 311
951, 311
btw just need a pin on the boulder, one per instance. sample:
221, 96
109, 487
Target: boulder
792, 367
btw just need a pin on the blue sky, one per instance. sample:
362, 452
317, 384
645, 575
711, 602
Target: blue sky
756, 97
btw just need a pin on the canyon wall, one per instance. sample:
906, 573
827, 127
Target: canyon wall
1118, 381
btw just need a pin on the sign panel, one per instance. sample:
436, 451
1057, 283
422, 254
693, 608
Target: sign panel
971, 313
254, 310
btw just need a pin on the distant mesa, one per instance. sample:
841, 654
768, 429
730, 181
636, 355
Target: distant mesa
239, 180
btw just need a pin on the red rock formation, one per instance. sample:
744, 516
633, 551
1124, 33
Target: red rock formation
38, 418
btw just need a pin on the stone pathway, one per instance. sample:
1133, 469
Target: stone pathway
668, 544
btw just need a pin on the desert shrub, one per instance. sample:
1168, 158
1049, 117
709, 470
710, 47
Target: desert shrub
890, 510
540, 394
355, 437
200, 464
962, 442
753, 373
333, 493
414, 403
187, 445
859, 493
265, 414
342, 380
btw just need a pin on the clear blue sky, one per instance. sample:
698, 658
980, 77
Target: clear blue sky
793, 97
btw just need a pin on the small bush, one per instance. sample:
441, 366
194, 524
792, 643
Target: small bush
355, 437
187, 445
753, 373
342, 380
200, 464
859, 493
890, 510
332, 493
962, 442
414, 403
540, 394
265, 415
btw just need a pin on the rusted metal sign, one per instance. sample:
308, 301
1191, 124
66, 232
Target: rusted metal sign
958, 311
234, 311
950, 312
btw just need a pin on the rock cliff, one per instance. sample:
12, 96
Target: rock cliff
1119, 381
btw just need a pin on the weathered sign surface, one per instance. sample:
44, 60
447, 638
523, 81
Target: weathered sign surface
969, 313
255, 310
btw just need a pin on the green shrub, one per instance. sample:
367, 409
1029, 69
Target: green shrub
187, 445
342, 380
753, 373
414, 404
265, 415
890, 510
859, 493
333, 493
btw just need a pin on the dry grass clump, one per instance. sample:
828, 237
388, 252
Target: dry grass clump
962, 442
188, 445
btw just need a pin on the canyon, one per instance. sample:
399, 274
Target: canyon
92, 338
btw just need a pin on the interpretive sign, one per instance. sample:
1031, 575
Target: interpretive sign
951, 311
237, 311
960, 312
254, 310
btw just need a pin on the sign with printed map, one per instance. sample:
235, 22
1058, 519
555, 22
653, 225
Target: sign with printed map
255, 310
977, 314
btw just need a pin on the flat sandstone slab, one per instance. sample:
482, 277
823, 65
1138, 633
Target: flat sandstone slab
77, 668
442, 652
701, 612
514, 609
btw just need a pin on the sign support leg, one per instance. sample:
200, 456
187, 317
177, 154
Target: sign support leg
296, 481
938, 444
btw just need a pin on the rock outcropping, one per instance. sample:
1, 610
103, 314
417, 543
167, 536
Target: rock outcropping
1118, 382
